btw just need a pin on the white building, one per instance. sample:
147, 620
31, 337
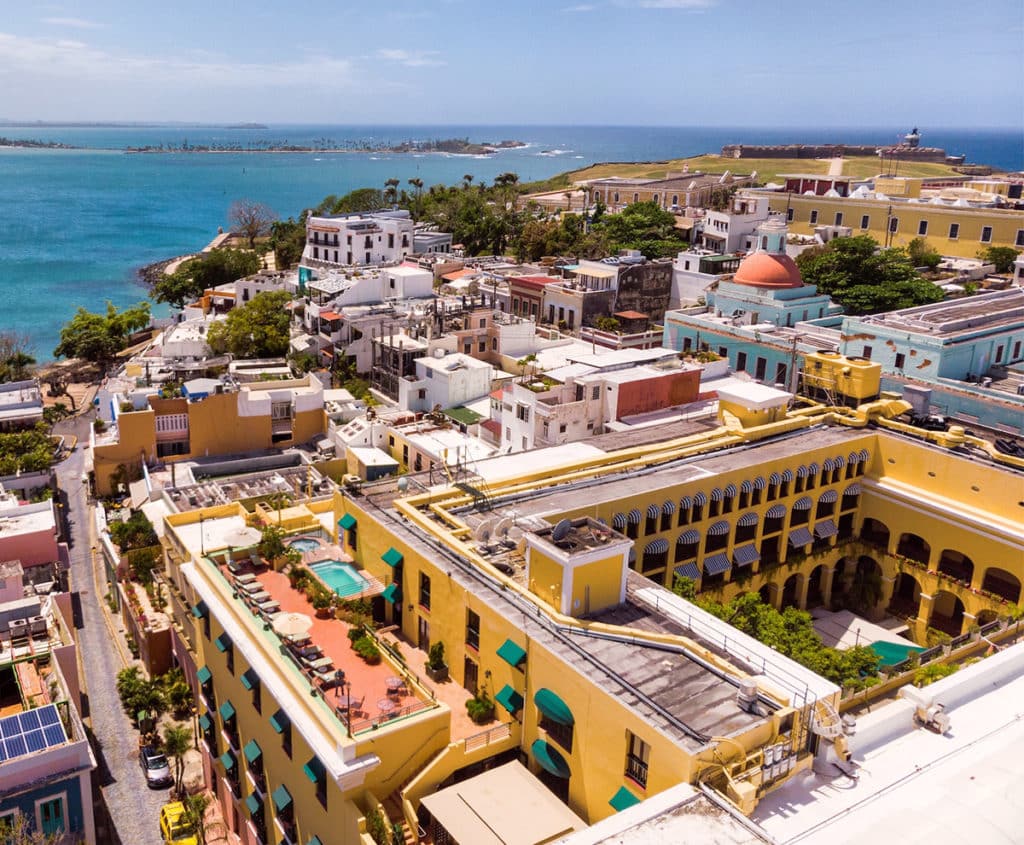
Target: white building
445, 382
380, 237
732, 230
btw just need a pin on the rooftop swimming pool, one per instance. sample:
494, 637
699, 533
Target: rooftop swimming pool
304, 544
341, 578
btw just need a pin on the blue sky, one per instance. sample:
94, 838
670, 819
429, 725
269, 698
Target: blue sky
631, 62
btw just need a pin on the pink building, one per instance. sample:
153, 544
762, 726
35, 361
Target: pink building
28, 532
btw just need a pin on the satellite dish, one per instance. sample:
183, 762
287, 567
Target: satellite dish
483, 531
561, 530
502, 528
403, 484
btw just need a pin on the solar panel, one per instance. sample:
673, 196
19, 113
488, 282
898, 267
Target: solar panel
30, 732
29, 720
35, 740
11, 726
48, 716
16, 747
54, 734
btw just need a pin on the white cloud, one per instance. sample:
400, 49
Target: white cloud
674, 4
580, 7
74, 23
411, 58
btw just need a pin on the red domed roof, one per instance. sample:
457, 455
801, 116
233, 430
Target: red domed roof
767, 270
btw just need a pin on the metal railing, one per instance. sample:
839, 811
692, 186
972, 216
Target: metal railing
484, 738
636, 769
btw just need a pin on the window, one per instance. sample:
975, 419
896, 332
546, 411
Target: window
780, 373
1020, 238
894, 224
814, 216
1016, 350
922, 227
986, 234
999, 354
424, 591
901, 360
789, 214
839, 218
562, 734
50, 815
523, 412
595, 394
638, 754
867, 353
954, 231
473, 630
865, 221
741, 360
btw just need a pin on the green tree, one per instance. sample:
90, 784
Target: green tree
206, 271
195, 814
258, 329
99, 337
362, 199
17, 829
15, 361
1002, 256
921, 254
864, 279
177, 742
134, 533
644, 226
287, 240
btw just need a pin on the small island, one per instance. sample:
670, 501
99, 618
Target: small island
32, 144
449, 146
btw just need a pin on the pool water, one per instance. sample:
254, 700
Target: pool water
340, 577
305, 544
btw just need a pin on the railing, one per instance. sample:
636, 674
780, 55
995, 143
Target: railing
375, 722
636, 769
496, 734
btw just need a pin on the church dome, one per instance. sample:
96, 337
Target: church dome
768, 270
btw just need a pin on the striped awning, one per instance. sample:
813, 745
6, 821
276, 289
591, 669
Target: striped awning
787, 475
718, 529
828, 497
853, 490
799, 537
690, 536
653, 511
828, 465
634, 516
687, 570
685, 503
730, 490
814, 469
802, 504
774, 478
825, 529
716, 495
747, 486
854, 457
656, 547
668, 508
776, 512
759, 483
716, 564
863, 454
700, 499
839, 461
619, 521
745, 555
802, 471
748, 519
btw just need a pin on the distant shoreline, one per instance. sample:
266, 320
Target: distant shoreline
449, 146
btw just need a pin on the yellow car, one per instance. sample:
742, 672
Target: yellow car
173, 826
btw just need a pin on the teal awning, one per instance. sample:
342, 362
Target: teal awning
204, 674
223, 642
227, 711
252, 751
250, 679
199, 610
553, 707
205, 723
253, 804
315, 841
280, 722
509, 699
227, 760
392, 557
511, 653
392, 594
315, 770
549, 759
623, 799
282, 798
347, 522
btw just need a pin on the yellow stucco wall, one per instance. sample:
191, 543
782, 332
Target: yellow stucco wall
595, 586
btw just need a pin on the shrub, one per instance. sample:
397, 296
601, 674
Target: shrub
480, 709
367, 649
355, 634
377, 826
435, 657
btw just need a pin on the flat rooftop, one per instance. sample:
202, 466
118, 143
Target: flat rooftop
27, 519
987, 312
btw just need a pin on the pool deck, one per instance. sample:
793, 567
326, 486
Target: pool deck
332, 552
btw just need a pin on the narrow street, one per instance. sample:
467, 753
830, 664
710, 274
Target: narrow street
128, 811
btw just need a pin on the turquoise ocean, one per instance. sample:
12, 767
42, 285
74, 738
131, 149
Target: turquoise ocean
77, 224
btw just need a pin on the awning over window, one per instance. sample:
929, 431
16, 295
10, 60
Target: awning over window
800, 537
392, 594
227, 760
775, 512
716, 495
691, 535
205, 723
280, 721
549, 759
715, 564
282, 798
656, 547
227, 711
315, 841
747, 486
828, 497
347, 521
730, 490
700, 499
853, 490
253, 804
718, 529
553, 707
802, 504
200, 610
392, 557
223, 642
509, 699
687, 570
623, 799
252, 751
825, 529
745, 555
315, 770
204, 674
668, 508
250, 680
748, 519
653, 511
512, 653
619, 521
634, 516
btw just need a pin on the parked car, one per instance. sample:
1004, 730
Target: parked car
173, 828
155, 767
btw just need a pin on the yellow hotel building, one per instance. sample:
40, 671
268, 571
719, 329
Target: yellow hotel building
541, 579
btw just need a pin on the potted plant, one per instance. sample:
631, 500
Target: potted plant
480, 709
322, 605
437, 669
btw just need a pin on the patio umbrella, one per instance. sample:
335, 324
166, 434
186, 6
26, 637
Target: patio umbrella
292, 624
242, 536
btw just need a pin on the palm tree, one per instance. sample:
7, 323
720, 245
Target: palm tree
177, 741
467, 180
391, 190
195, 814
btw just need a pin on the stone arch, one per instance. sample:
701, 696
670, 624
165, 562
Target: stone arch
1004, 584
769, 593
915, 547
947, 613
815, 586
875, 532
791, 590
906, 596
840, 577
956, 565
865, 589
